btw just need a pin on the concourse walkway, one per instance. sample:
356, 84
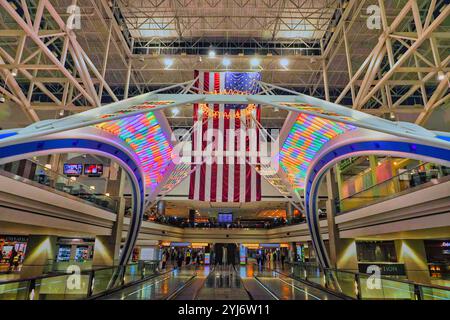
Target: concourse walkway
221, 282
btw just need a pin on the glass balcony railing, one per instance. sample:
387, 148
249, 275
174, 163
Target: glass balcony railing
362, 286
67, 186
407, 180
81, 285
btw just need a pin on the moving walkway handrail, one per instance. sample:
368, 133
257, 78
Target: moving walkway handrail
123, 286
31, 283
266, 288
312, 284
174, 294
357, 276
243, 284
46, 276
382, 277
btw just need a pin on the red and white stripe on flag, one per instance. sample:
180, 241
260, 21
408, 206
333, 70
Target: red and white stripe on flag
228, 180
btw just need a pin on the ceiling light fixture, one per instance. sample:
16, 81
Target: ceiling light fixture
440, 76
254, 62
284, 62
226, 62
175, 111
212, 54
168, 62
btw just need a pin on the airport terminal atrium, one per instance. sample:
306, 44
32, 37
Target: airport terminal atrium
224, 150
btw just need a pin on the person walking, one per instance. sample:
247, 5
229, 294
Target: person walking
12, 257
180, 259
258, 259
164, 260
188, 257
283, 257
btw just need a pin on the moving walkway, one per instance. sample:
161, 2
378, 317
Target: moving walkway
221, 282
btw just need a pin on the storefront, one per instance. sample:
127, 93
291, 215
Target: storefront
302, 252
438, 258
252, 250
13, 250
197, 252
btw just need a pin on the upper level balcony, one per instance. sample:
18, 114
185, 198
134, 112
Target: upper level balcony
406, 181
42, 176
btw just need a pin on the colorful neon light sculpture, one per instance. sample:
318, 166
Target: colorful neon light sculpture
145, 136
306, 138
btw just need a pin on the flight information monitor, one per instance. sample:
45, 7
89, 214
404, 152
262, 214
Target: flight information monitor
72, 169
225, 218
93, 170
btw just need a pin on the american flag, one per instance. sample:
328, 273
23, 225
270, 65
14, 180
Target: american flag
225, 179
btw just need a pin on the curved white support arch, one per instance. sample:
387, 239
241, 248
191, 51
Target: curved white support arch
353, 144
95, 141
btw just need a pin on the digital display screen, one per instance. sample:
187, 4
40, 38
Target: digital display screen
93, 170
242, 254
225, 217
72, 169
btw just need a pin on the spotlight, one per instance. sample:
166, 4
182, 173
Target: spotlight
61, 113
226, 62
254, 62
2, 99
14, 72
212, 54
392, 115
284, 62
175, 112
168, 62
441, 76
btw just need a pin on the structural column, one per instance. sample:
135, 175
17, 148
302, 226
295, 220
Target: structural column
161, 207
342, 251
289, 211
107, 248
40, 255
412, 253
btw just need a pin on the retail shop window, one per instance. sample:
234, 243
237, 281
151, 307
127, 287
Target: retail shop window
438, 258
12, 252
